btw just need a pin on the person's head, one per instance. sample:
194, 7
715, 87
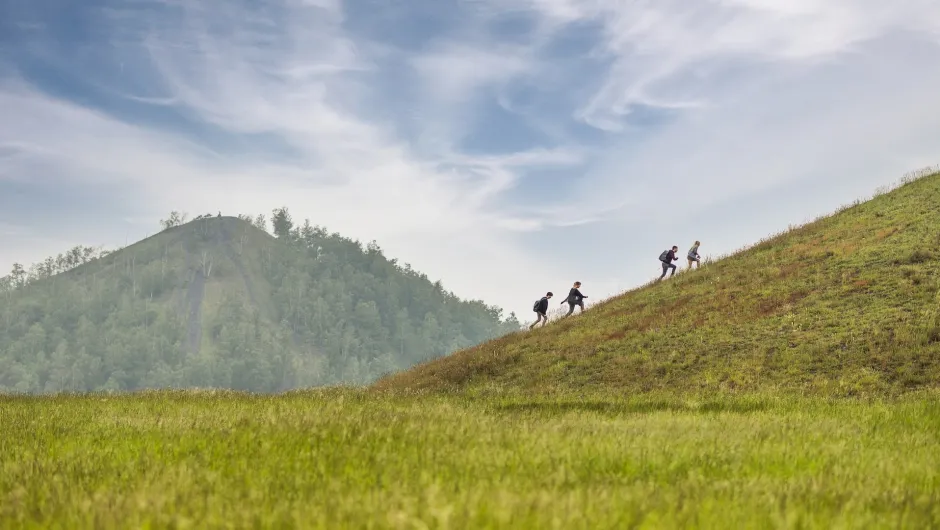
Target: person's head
697, 243
577, 284
548, 294
675, 247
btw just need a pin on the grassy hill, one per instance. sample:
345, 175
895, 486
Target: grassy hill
219, 302
847, 304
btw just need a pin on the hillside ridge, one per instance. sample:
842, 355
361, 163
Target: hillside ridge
843, 305
221, 302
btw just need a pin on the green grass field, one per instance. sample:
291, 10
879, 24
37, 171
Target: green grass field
357, 459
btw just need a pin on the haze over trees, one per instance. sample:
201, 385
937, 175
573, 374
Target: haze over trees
219, 302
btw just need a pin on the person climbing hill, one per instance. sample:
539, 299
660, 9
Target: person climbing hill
667, 257
541, 308
575, 299
693, 256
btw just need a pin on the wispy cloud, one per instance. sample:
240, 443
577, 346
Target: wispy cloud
669, 53
506, 146
455, 73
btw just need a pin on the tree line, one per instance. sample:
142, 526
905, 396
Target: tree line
318, 309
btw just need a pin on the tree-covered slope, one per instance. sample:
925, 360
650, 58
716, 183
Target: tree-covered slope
220, 302
849, 303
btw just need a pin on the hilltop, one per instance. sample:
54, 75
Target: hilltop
220, 302
844, 305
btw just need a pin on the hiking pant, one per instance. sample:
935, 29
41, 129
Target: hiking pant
540, 317
572, 305
666, 267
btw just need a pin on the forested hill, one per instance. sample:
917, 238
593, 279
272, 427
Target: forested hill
220, 302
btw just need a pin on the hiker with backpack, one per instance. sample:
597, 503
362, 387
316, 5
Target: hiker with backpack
541, 308
693, 256
667, 257
575, 299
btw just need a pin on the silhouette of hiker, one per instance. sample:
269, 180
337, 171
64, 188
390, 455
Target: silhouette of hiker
541, 308
693, 256
575, 299
667, 257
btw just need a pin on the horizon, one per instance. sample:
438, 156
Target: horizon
504, 147
555, 311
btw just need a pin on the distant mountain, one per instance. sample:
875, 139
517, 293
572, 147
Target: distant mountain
219, 302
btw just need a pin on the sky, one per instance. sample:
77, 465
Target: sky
505, 147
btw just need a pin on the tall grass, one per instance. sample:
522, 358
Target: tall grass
349, 459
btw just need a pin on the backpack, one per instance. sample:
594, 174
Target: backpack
537, 304
664, 256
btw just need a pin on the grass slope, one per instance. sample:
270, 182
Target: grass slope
847, 304
344, 459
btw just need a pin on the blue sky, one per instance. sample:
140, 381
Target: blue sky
507, 147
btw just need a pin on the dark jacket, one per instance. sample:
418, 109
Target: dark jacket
670, 257
543, 305
574, 296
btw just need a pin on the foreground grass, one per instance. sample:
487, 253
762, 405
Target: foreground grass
350, 459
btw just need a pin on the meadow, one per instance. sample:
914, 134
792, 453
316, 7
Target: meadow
344, 458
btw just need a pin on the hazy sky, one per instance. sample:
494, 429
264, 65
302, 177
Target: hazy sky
506, 147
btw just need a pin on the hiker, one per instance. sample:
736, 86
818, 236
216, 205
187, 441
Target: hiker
667, 257
575, 299
693, 256
541, 308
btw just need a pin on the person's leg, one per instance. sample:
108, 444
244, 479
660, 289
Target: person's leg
581, 305
540, 317
691, 261
570, 308
672, 268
